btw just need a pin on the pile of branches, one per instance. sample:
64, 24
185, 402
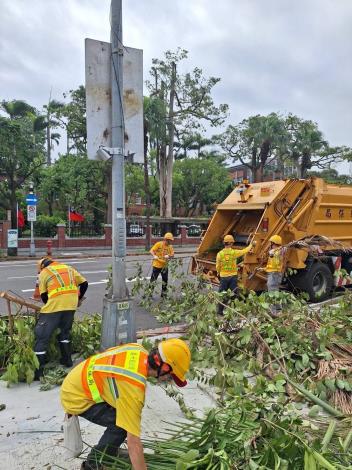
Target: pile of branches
248, 351
248, 434
18, 361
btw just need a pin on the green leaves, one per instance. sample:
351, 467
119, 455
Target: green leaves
19, 360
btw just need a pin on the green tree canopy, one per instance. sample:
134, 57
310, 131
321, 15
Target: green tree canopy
21, 152
254, 141
184, 101
199, 184
76, 181
307, 148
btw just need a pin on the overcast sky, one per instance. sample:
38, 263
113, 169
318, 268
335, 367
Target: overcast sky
271, 55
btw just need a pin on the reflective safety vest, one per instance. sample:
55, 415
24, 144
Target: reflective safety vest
228, 263
62, 280
275, 262
128, 363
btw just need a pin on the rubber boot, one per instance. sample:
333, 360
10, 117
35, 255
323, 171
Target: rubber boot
65, 349
40, 371
91, 466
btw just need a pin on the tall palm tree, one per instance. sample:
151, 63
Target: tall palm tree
16, 108
51, 108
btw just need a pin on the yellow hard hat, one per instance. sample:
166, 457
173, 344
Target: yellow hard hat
44, 262
168, 236
276, 239
229, 239
177, 355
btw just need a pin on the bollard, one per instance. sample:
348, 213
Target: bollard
49, 246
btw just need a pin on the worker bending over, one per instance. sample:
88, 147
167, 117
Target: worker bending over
109, 389
275, 268
162, 251
226, 266
61, 287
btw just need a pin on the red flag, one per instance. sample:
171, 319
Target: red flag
76, 217
20, 219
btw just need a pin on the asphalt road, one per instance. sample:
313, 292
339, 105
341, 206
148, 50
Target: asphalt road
19, 277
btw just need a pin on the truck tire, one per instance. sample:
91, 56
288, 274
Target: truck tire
316, 281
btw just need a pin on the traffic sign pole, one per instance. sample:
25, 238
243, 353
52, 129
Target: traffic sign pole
31, 201
32, 245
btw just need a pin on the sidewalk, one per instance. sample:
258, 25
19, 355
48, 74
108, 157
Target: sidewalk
30, 429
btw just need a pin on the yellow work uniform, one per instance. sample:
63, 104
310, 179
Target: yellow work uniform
61, 283
226, 260
119, 392
160, 249
275, 262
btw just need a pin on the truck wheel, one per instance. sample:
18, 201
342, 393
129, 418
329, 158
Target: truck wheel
317, 281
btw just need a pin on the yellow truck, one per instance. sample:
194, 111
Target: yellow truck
293, 209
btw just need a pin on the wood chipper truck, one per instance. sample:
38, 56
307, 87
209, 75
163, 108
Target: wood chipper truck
293, 209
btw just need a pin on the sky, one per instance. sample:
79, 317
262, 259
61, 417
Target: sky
271, 55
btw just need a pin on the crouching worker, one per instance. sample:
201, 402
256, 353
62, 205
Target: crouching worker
109, 389
61, 288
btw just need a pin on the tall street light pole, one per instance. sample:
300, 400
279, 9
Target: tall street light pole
118, 320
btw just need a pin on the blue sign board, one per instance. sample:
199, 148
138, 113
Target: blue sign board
31, 199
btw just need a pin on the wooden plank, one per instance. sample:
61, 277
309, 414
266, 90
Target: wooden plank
162, 331
18, 300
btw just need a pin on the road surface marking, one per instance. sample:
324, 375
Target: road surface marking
103, 281
14, 264
138, 279
94, 272
21, 277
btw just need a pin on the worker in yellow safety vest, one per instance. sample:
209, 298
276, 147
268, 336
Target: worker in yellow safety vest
162, 252
61, 288
109, 389
226, 266
275, 268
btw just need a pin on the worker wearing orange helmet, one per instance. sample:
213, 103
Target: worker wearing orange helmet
275, 267
226, 266
61, 288
162, 252
109, 389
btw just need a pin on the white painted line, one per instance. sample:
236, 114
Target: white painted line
17, 264
22, 277
103, 281
138, 279
94, 272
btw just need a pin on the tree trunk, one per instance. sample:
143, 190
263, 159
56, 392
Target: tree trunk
305, 165
171, 139
162, 181
13, 207
109, 185
67, 143
48, 143
263, 158
50, 204
146, 188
